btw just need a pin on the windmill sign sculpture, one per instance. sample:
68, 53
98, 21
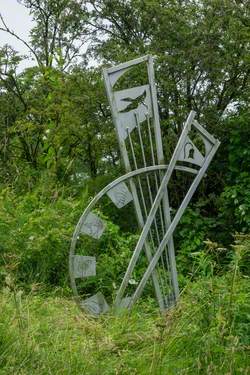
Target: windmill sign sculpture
145, 188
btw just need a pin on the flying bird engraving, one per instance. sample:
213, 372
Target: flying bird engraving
134, 103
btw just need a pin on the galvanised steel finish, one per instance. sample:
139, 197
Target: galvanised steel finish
145, 185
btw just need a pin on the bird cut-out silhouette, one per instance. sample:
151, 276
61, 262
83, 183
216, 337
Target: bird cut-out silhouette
134, 103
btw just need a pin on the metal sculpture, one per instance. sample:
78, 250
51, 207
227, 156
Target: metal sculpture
145, 185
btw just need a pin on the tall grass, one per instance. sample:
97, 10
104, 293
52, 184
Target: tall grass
207, 333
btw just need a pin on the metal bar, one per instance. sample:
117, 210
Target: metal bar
142, 198
126, 64
153, 161
156, 120
174, 223
138, 178
157, 188
151, 141
147, 179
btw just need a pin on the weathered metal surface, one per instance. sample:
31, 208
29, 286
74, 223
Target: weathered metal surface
93, 226
120, 195
84, 266
95, 305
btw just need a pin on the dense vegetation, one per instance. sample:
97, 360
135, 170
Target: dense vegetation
58, 148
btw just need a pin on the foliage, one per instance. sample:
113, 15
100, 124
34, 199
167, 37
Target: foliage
61, 111
63, 97
234, 201
39, 226
236, 204
192, 232
39, 230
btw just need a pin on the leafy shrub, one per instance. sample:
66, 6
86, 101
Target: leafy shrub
35, 236
189, 239
235, 204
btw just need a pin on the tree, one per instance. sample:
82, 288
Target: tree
59, 33
52, 116
202, 50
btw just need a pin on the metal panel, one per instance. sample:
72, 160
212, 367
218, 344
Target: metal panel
130, 99
120, 195
93, 226
132, 102
84, 266
190, 153
95, 305
116, 75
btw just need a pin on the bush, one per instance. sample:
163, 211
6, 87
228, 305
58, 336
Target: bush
35, 233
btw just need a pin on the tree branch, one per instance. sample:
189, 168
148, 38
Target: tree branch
11, 32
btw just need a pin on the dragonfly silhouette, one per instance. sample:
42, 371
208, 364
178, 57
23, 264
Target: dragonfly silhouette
134, 103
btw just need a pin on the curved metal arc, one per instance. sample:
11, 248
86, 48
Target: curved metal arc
111, 185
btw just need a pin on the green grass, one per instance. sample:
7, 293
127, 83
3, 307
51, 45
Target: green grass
207, 333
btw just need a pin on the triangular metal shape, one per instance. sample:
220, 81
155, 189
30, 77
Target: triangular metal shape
190, 153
